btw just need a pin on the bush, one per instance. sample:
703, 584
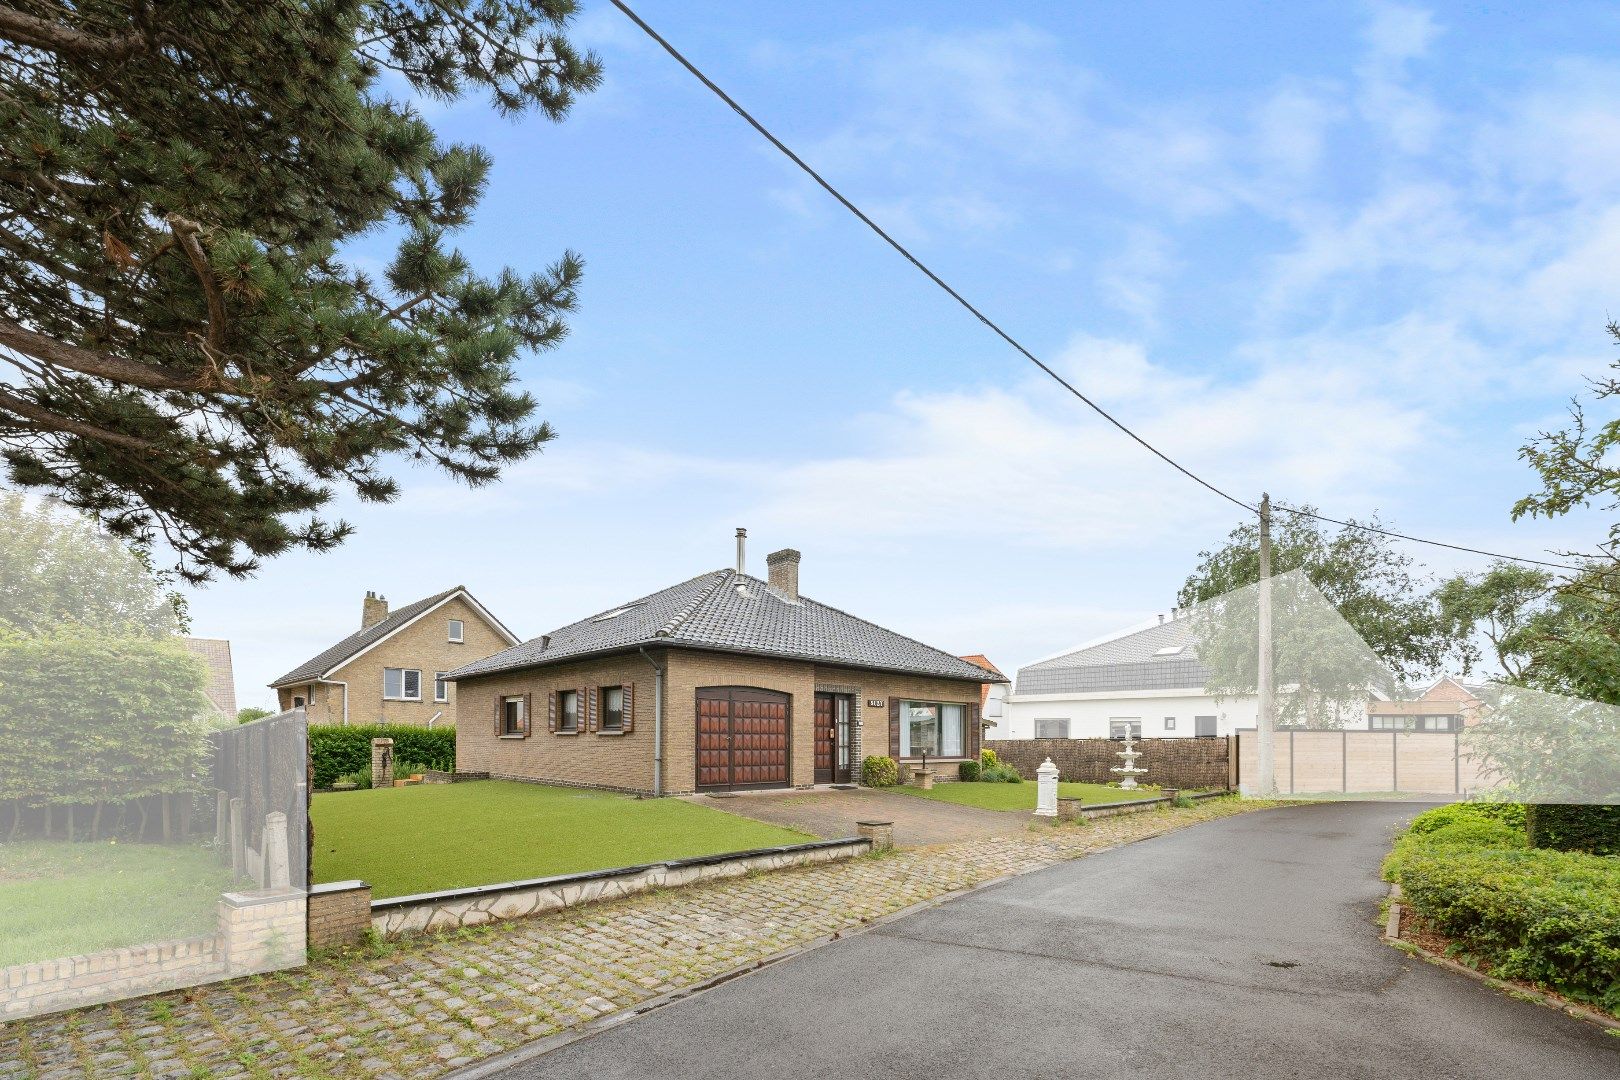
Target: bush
339, 750
1510, 814
988, 759
880, 771
1563, 827
1183, 802
1000, 774
968, 771
1548, 917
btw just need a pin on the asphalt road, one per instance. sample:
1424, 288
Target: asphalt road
1245, 947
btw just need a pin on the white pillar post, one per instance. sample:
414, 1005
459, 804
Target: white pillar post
1046, 789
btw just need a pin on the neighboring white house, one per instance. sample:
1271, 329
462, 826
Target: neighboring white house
1148, 680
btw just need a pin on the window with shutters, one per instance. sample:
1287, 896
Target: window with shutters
512, 716
402, 684
568, 710
934, 728
612, 708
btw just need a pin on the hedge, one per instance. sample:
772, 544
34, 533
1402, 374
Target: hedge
338, 751
1562, 827
1547, 917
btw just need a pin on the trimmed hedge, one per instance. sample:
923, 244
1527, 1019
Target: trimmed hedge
1562, 827
968, 771
338, 751
1547, 917
880, 770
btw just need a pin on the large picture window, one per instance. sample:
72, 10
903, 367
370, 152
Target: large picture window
930, 727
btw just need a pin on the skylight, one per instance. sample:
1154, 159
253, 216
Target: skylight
614, 614
1171, 650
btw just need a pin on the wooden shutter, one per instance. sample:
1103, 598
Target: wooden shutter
551, 712
500, 713
528, 713
894, 728
629, 702
587, 705
970, 737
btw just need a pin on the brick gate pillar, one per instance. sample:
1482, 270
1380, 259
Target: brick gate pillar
382, 763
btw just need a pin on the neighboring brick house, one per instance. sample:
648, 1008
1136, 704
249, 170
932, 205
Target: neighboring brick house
1448, 705
221, 688
722, 682
392, 670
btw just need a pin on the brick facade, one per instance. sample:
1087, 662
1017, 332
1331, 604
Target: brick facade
424, 645
339, 913
625, 762
1171, 762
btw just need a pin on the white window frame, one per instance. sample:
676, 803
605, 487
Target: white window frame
404, 684
457, 631
441, 687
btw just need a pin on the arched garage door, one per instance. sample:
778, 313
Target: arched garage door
742, 738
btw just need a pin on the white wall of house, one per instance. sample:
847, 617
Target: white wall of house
1090, 716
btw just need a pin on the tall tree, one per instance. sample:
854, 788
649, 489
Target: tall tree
190, 356
1369, 583
1499, 605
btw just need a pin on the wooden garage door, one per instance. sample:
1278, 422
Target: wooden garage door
742, 738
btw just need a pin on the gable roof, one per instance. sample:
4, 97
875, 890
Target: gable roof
1161, 657
732, 612
215, 653
323, 663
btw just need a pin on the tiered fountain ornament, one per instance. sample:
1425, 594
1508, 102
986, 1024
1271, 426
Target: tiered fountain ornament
1128, 771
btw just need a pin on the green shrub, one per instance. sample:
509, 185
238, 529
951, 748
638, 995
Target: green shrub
1184, 802
1000, 774
1510, 814
363, 777
968, 771
988, 759
339, 750
1564, 827
1548, 917
880, 771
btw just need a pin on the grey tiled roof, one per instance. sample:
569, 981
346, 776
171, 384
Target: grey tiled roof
733, 612
1128, 662
325, 661
221, 688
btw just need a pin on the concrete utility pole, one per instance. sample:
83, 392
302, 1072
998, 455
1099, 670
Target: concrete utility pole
1267, 722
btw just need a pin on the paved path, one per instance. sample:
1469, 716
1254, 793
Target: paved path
1245, 947
423, 1007
830, 814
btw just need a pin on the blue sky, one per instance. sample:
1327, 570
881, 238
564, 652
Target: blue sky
1352, 254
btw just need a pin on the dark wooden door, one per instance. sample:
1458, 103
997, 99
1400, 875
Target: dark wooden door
826, 738
742, 738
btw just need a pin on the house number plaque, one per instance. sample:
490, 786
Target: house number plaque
874, 703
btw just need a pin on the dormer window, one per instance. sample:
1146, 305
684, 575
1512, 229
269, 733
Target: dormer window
458, 631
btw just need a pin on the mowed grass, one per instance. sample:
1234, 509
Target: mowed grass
451, 836
59, 899
988, 796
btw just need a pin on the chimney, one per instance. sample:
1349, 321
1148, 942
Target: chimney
742, 551
1161, 618
375, 611
784, 572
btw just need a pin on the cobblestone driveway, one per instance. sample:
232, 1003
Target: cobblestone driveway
831, 814
423, 1007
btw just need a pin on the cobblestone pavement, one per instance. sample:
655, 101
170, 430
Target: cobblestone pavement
830, 814
422, 1007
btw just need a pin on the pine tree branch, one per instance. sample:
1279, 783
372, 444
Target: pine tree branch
43, 417
185, 232
29, 30
99, 364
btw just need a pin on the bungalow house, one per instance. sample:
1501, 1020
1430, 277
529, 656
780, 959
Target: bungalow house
395, 668
1147, 681
719, 683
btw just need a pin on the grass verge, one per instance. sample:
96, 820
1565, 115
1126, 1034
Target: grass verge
452, 836
1021, 797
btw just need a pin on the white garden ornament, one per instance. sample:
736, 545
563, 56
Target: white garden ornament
1128, 771
1046, 787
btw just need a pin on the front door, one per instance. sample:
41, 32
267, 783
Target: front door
832, 738
742, 738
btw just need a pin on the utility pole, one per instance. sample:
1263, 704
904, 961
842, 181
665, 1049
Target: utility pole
1267, 720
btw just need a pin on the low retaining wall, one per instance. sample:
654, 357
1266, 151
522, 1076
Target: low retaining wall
1102, 810
1177, 763
257, 931
514, 899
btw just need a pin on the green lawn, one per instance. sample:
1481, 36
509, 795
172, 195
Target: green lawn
449, 836
60, 899
1021, 796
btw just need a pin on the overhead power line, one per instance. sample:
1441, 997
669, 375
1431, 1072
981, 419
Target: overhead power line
996, 329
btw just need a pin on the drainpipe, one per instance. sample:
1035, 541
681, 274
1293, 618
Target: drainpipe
658, 723
345, 685
434, 717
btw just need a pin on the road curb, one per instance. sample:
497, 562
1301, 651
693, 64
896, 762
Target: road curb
1392, 935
